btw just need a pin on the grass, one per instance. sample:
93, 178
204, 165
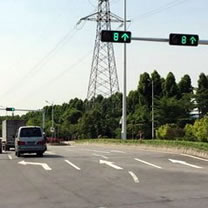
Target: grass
197, 146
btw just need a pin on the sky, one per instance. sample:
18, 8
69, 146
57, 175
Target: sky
46, 56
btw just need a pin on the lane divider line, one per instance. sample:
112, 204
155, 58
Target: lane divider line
184, 163
147, 163
118, 151
136, 180
198, 158
73, 165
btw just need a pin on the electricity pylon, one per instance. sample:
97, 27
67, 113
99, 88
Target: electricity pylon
103, 76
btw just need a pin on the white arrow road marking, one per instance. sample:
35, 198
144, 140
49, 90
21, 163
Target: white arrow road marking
10, 157
136, 180
100, 156
198, 158
73, 165
110, 164
184, 163
44, 165
147, 163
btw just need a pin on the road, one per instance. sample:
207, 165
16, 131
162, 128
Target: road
103, 176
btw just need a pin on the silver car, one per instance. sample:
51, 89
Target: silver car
30, 139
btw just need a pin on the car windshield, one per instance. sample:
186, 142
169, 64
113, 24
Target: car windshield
30, 132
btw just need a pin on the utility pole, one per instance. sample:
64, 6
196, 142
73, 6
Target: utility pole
124, 131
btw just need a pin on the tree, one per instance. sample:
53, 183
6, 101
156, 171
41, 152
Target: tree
170, 88
157, 82
202, 94
140, 120
132, 101
185, 85
145, 90
72, 115
170, 110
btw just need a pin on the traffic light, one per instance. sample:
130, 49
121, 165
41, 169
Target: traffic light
10, 109
115, 36
183, 39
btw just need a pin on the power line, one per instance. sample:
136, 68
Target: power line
43, 61
160, 9
61, 74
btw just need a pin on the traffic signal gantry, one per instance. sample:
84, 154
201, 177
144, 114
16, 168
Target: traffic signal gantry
175, 39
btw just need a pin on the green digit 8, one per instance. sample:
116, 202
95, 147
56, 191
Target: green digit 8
184, 40
115, 36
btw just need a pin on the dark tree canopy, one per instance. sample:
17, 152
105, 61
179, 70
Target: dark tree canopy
170, 88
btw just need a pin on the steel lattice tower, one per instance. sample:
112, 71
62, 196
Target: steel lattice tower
103, 76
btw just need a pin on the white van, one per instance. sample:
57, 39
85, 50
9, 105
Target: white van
30, 139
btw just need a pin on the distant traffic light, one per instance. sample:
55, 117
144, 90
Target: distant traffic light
115, 36
10, 109
183, 39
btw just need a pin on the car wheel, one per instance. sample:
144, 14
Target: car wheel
18, 154
40, 154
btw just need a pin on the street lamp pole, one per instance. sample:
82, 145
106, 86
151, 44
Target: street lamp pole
153, 130
52, 118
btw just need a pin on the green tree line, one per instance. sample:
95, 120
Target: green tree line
174, 104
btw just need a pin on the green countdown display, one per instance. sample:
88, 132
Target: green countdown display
183, 39
115, 36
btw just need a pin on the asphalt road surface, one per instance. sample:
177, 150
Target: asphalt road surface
104, 176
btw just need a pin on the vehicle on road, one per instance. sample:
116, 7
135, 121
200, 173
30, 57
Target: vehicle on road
30, 139
9, 129
0, 145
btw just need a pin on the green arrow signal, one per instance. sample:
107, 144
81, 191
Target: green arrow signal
125, 36
192, 39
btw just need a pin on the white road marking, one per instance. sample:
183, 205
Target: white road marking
100, 156
117, 151
73, 165
184, 163
44, 165
10, 157
110, 164
136, 180
98, 151
198, 158
50, 153
147, 163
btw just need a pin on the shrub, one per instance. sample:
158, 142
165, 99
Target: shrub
169, 131
189, 133
200, 129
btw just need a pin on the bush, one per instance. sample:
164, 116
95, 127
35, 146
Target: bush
189, 133
169, 132
200, 129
